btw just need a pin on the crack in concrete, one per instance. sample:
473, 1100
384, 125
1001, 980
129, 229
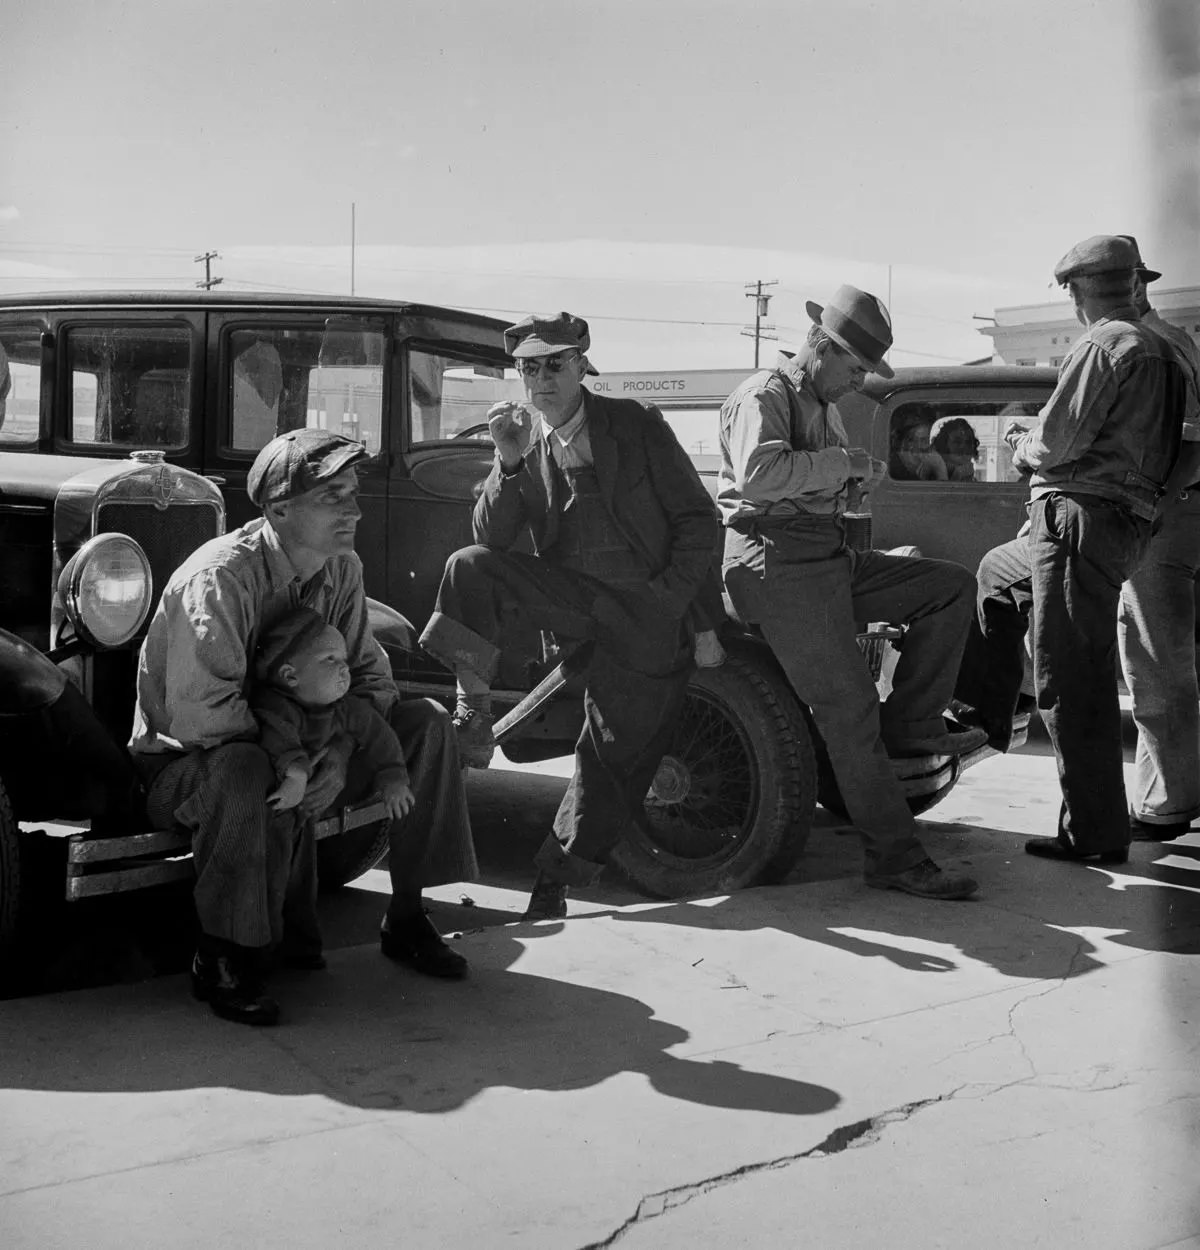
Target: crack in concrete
844, 1137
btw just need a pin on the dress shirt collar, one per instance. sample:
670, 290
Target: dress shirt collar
567, 431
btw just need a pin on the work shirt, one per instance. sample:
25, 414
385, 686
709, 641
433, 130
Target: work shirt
1112, 426
782, 449
193, 675
1189, 357
569, 444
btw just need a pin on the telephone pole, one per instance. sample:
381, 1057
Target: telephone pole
209, 281
759, 331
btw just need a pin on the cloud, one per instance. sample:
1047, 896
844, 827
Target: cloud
9, 212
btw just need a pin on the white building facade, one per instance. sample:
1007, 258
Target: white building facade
1042, 334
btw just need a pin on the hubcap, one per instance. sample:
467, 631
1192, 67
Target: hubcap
673, 781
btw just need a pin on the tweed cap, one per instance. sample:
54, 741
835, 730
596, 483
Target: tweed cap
1146, 274
288, 638
545, 335
1102, 253
298, 461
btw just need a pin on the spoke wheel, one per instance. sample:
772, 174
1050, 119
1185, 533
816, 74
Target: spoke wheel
731, 803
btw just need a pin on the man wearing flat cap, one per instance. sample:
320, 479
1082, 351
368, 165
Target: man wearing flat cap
624, 536
785, 478
196, 740
1100, 458
1157, 623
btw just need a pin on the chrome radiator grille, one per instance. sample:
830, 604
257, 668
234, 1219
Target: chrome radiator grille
167, 535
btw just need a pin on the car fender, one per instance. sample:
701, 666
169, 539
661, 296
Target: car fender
29, 681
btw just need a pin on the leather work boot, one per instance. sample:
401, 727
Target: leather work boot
1143, 831
547, 901
926, 880
473, 728
1052, 848
231, 990
951, 742
414, 941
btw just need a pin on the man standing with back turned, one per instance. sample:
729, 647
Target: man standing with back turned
1100, 457
785, 473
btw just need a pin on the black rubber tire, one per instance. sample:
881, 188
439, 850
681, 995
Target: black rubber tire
830, 796
345, 858
742, 808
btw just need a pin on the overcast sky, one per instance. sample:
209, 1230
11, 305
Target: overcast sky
635, 161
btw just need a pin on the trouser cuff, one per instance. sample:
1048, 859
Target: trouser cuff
557, 863
458, 647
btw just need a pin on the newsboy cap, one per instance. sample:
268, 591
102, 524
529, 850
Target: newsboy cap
1102, 253
297, 461
859, 323
545, 335
1147, 275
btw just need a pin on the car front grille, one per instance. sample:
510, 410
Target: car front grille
167, 535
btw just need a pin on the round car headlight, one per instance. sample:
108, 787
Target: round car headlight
106, 589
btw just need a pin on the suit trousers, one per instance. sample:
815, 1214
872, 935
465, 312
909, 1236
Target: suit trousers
634, 685
1157, 636
807, 592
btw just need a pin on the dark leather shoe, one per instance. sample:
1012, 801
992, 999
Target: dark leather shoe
476, 743
1141, 831
232, 992
926, 880
952, 742
1052, 848
547, 900
416, 943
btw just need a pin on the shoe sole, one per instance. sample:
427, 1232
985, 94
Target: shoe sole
444, 973
262, 1020
947, 897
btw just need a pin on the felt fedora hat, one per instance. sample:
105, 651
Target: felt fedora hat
859, 323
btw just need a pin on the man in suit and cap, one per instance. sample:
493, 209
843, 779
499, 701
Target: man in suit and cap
1157, 623
624, 536
785, 478
195, 738
1100, 458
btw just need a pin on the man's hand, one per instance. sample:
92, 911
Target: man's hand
864, 468
289, 792
509, 425
1014, 432
326, 783
398, 798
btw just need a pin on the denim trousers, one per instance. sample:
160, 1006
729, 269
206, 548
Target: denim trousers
1064, 580
1157, 635
807, 591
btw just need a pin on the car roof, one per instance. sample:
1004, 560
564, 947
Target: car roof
210, 300
957, 376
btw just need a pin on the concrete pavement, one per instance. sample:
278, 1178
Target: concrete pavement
814, 1064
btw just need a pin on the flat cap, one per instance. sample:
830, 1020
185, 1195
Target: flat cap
298, 461
1102, 253
1147, 274
545, 335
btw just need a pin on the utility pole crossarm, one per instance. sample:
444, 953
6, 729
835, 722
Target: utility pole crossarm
206, 259
754, 291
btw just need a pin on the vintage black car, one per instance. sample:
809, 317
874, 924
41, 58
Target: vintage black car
126, 438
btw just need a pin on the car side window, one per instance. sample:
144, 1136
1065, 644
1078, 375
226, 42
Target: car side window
450, 394
954, 441
328, 376
130, 385
20, 385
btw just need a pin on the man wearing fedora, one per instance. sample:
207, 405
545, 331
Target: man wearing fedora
1100, 458
195, 738
624, 537
1157, 623
786, 473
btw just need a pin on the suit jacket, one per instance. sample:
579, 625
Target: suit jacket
650, 487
